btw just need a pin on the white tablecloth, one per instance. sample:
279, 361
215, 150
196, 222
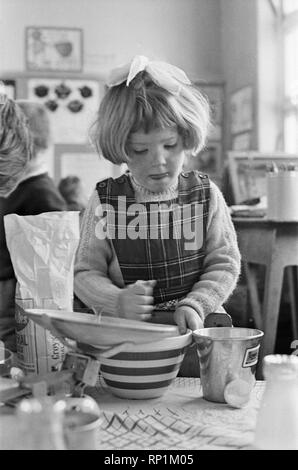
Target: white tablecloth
180, 420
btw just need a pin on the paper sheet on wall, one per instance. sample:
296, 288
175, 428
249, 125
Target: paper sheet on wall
90, 168
72, 106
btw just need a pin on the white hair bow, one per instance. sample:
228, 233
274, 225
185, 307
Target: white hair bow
164, 75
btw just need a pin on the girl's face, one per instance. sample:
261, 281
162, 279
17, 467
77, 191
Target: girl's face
156, 158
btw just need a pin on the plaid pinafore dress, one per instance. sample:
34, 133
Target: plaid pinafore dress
163, 240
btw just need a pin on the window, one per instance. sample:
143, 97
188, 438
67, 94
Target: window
290, 36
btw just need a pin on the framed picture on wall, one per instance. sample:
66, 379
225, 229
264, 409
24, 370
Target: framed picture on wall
248, 172
72, 105
54, 49
84, 162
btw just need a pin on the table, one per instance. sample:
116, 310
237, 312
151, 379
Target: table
274, 245
180, 420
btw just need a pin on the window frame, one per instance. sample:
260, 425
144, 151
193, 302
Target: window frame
288, 22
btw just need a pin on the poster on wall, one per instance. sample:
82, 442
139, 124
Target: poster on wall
87, 165
55, 49
72, 105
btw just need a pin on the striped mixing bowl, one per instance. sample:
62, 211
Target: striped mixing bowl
147, 370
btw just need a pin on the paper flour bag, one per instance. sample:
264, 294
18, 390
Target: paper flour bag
42, 249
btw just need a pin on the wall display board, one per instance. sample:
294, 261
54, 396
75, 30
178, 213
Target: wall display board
72, 105
82, 161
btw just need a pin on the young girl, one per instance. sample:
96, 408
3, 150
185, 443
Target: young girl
156, 238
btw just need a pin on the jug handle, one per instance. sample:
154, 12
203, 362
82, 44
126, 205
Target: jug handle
218, 319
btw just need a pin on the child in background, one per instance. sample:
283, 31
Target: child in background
26, 187
71, 189
156, 238
36, 191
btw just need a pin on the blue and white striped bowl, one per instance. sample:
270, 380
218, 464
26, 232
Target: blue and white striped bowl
145, 371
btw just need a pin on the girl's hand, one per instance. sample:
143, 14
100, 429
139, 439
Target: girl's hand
136, 300
186, 317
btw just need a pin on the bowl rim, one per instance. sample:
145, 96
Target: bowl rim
104, 321
197, 333
164, 344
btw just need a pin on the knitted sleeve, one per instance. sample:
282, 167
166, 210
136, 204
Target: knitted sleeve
97, 280
222, 261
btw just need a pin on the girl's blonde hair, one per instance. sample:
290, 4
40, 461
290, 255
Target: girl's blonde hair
145, 106
16, 145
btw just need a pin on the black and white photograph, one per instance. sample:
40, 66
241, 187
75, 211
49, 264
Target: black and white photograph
149, 228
